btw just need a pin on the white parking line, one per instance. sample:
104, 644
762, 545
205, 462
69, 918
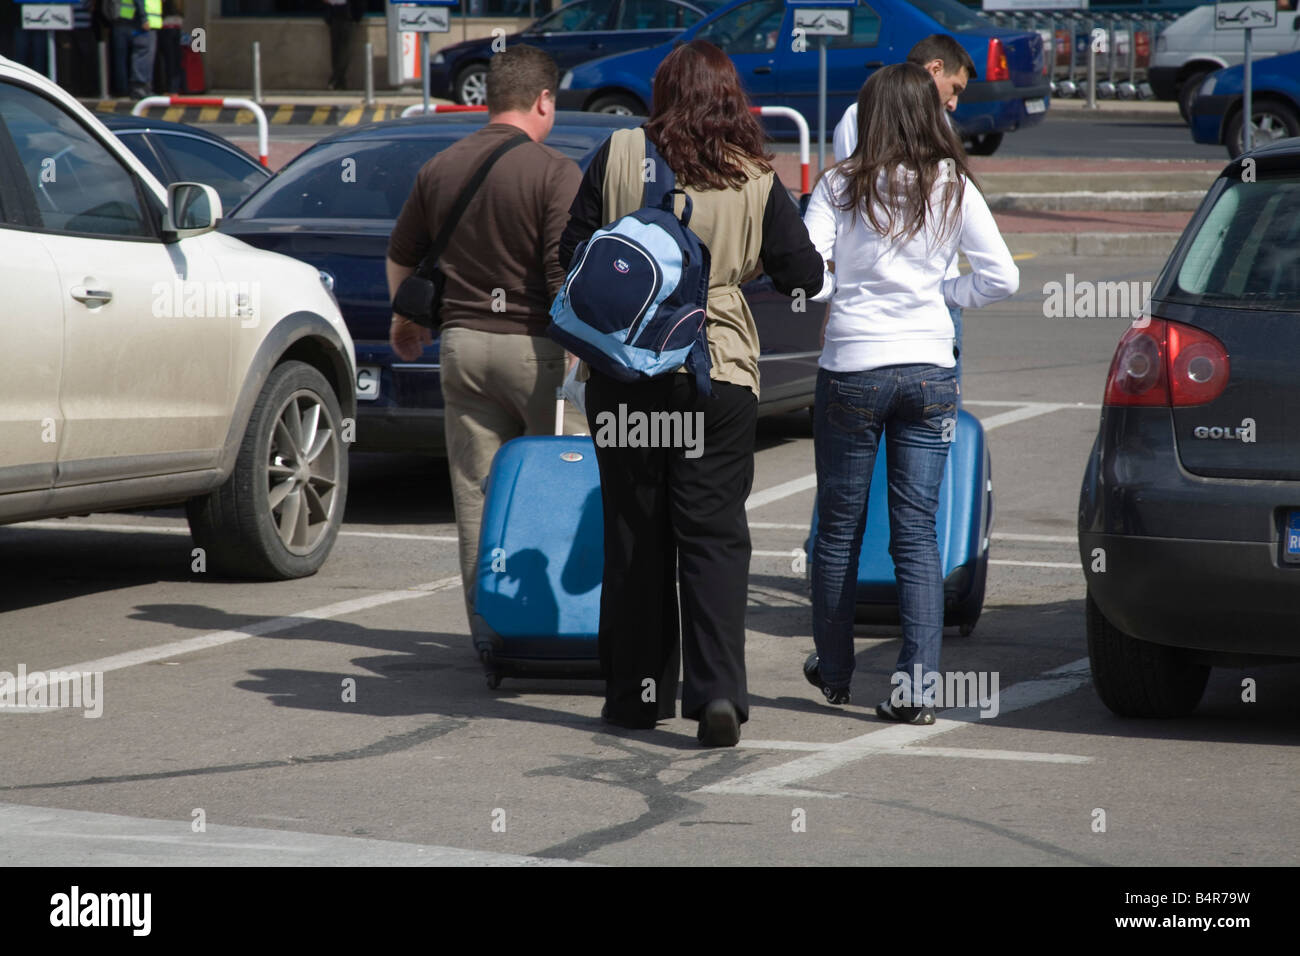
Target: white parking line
184, 529
896, 740
1072, 565
44, 836
1020, 756
1044, 538
261, 628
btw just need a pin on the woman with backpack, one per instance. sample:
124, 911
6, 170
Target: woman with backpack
675, 516
892, 218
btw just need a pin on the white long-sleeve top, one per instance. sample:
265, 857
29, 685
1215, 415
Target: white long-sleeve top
890, 301
845, 141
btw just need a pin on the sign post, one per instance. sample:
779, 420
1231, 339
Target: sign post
1245, 15
420, 17
48, 17
821, 19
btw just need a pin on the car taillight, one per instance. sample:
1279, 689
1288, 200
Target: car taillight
1166, 363
997, 68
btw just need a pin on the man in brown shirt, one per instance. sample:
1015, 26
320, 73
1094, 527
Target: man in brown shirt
499, 370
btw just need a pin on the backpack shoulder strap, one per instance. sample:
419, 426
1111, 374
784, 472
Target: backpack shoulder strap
659, 178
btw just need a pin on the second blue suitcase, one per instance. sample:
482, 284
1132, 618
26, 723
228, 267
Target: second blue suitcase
540, 561
963, 525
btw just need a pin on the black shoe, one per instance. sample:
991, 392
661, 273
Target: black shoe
605, 718
812, 671
719, 724
905, 715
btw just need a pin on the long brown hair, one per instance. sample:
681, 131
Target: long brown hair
901, 124
700, 119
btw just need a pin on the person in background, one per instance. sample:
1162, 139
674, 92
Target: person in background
168, 73
892, 218
340, 15
952, 68
146, 20
499, 370
672, 518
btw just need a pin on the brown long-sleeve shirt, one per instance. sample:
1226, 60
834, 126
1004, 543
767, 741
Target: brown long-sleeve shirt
502, 263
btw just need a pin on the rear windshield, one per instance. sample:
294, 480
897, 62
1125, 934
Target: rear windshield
1246, 253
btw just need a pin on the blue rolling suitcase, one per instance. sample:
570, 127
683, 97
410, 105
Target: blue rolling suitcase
541, 560
963, 524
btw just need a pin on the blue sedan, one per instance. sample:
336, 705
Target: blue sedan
341, 223
1275, 103
1010, 89
574, 33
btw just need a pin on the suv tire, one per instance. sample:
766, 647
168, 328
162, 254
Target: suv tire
279, 512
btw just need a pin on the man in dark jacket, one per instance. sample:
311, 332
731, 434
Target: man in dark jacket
340, 15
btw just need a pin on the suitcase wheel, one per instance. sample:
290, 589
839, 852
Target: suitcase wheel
490, 670
966, 629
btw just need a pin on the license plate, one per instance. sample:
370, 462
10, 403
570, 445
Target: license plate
368, 382
1036, 106
1291, 537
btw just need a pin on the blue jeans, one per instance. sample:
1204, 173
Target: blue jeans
908, 404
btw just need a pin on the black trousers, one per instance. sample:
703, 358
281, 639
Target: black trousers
673, 519
340, 27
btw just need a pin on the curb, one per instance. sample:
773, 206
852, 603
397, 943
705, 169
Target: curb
1092, 244
1153, 201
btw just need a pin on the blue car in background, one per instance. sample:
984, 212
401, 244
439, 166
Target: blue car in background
572, 34
340, 224
1216, 114
1010, 90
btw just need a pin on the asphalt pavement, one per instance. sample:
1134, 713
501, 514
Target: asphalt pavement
344, 717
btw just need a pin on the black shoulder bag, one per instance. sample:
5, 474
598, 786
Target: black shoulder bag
419, 297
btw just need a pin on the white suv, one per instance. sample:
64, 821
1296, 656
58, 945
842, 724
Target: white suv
146, 359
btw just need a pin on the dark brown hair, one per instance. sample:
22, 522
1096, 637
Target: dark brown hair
901, 125
701, 122
517, 76
940, 46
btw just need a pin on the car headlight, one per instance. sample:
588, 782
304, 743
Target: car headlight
567, 80
1207, 87
438, 59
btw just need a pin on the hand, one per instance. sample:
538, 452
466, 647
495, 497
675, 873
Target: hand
408, 339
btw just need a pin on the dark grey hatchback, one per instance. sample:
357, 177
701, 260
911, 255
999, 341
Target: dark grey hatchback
1189, 516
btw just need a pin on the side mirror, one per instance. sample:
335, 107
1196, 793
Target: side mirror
192, 210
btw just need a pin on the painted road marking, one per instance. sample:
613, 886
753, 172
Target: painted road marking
261, 628
43, 836
894, 740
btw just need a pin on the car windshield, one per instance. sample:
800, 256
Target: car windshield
951, 15
371, 178
1246, 253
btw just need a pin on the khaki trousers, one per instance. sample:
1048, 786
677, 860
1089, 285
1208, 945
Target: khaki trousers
495, 387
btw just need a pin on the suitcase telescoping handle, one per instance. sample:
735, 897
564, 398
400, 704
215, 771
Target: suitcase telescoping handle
559, 410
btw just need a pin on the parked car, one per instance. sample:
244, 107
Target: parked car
1190, 49
310, 212
1189, 513
574, 33
146, 359
1274, 105
175, 152
1010, 90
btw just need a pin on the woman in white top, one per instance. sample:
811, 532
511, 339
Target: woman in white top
891, 219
